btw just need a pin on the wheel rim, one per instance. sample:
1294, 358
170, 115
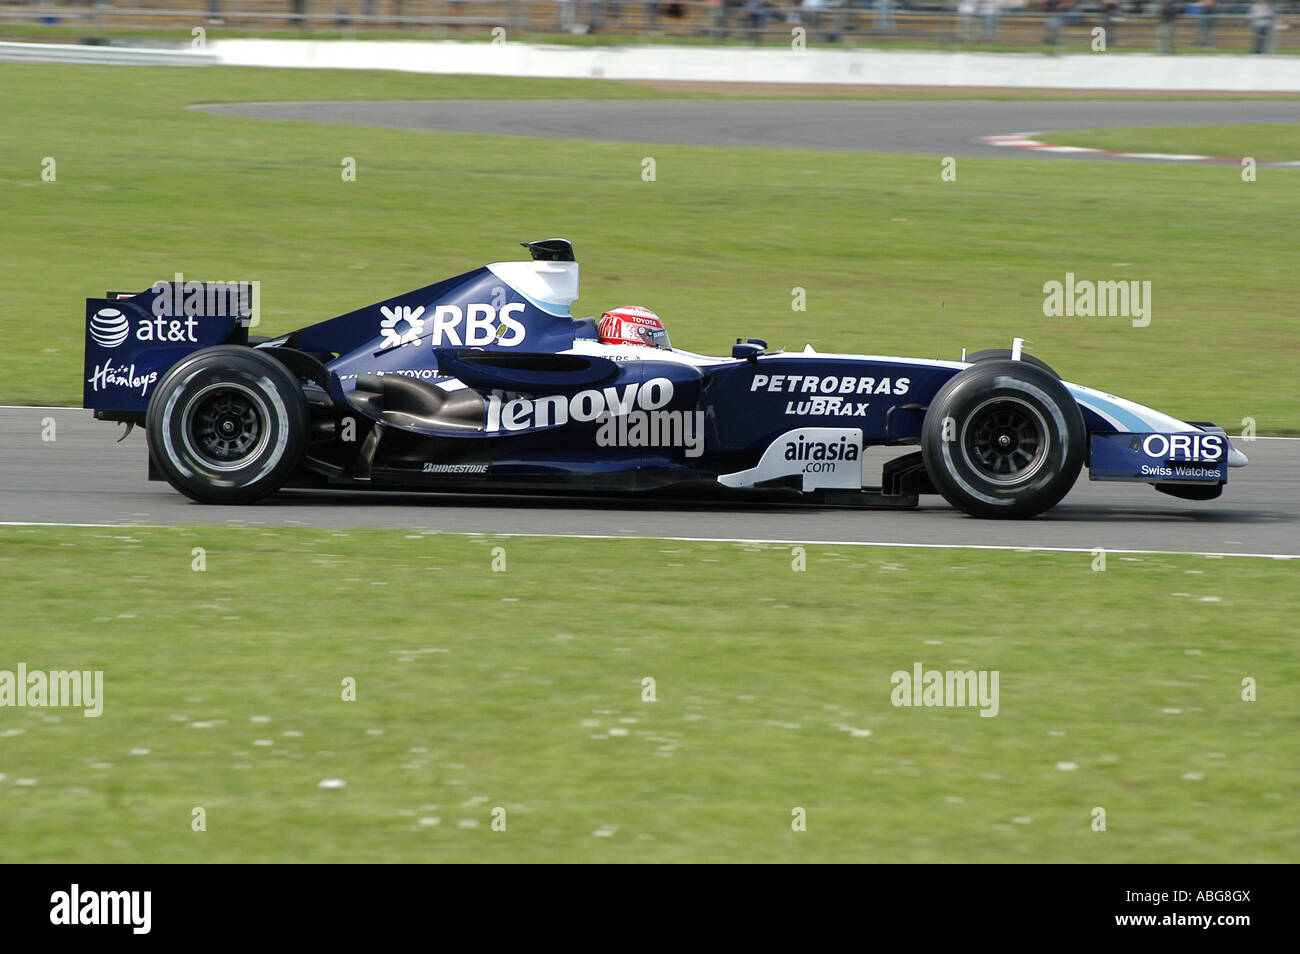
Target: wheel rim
225, 425
1006, 440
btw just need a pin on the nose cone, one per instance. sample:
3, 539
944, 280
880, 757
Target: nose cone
1236, 458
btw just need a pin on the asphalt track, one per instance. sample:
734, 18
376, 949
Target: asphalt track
910, 127
84, 477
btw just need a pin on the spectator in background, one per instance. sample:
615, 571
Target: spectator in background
885, 16
1110, 10
1052, 25
759, 14
1167, 13
966, 11
1261, 21
1203, 11
566, 15
989, 10
718, 18
812, 14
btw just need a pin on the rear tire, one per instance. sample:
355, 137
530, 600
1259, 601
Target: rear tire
1003, 439
227, 425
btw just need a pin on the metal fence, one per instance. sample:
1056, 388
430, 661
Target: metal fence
1238, 27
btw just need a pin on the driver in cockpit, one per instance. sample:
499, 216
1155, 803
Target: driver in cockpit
633, 325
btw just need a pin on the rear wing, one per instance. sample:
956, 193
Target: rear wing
134, 338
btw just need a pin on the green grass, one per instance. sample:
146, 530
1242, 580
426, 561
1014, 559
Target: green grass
478, 689
1276, 143
886, 251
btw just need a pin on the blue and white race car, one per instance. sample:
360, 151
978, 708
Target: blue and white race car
486, 382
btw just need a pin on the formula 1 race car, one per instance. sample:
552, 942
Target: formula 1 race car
485, 382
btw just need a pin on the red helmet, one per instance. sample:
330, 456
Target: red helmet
634, 325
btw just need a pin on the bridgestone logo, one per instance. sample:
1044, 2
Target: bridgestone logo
455, 468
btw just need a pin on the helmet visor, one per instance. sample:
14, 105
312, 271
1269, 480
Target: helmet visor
658, 338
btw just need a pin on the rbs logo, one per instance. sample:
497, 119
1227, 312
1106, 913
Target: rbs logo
471, 326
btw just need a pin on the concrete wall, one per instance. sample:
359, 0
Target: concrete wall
1243, 73
736, 64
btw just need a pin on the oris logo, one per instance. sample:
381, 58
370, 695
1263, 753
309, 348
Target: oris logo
1202, 448
521, 414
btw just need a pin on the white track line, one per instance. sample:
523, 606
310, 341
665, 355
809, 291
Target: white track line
746, 540
93, 526
1027, 141
885, 544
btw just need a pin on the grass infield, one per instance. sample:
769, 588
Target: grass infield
522, 689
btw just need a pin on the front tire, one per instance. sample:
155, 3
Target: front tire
1003, 439
227, 425
1004, 354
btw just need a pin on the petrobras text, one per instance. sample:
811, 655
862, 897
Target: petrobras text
815, 384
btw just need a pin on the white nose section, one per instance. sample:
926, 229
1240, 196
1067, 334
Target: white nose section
545, 283
1236, 458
